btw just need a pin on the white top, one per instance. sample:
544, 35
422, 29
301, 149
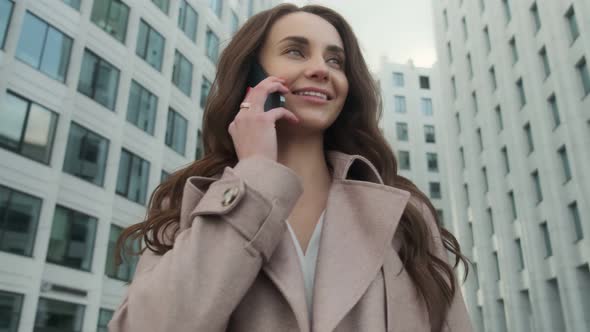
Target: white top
309, 259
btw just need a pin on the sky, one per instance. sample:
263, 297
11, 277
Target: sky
397, 29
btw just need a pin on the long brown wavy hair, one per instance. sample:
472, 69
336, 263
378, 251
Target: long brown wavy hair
355, 132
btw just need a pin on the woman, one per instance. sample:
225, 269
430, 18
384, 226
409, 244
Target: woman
233, 239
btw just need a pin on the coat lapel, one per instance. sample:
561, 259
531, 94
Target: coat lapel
284, 270
359, 224
360, 220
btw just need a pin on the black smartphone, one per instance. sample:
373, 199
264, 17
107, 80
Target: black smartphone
256, 75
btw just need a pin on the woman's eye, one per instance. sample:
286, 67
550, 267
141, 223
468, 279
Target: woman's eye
291, 51
336, 61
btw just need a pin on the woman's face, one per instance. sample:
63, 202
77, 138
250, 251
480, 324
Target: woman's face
307, 51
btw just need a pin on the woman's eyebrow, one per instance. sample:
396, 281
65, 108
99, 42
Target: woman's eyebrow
304, 41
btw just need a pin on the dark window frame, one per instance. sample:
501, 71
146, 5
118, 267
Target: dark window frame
55, 117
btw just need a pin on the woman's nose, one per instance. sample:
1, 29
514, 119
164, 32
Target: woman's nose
317, 69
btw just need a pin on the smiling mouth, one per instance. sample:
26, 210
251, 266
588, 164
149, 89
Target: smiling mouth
313, 94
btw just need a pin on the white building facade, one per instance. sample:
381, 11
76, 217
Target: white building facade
99, 100
412, 125
515, 92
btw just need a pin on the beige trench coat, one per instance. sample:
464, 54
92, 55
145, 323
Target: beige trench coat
234, 266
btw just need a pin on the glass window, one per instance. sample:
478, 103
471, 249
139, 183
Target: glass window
188, 20
490, 220
432, 161
426, 104
212, 45
429, 136
126, 269
512, 204
402, 131
72, 238
434, 190
565, 163
44, 47
505, 158
545, 62
450, 52
400, 104
404, 160
99, 80
111, 16
235, 23
572, 24
499, 118
176, 131
577, 221
458, 121
454, 87
11, 305
464, 24
19, 217
424, 82
73, 3
142, 108
54, 315
217, 7
529, 137
497, 265
466, 192
469, 65
164, 5
507, 11
537, 183
5, 14
150, 45
554, 110
250, 8
200, 148
520, 255
27, 128
513, 50
462, 154
182, 73
584, 73
521, 94
398, 79
486, 34
86, 155
132, 179
474, 101
164, 175
440, 217
479, 139
104, 317
493, 81
446, 18
486, 185
205, 89
536, 17
547, 240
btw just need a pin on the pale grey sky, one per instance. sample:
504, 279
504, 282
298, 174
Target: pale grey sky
399, 29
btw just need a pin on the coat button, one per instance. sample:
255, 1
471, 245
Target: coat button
229, 196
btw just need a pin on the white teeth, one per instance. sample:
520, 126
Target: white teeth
312, 93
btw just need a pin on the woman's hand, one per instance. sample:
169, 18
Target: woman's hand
253, 130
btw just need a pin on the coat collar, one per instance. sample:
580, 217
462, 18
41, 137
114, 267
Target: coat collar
360, 220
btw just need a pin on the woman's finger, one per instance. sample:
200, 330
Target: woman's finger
282, 113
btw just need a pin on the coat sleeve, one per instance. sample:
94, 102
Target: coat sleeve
457, 319
197, 285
